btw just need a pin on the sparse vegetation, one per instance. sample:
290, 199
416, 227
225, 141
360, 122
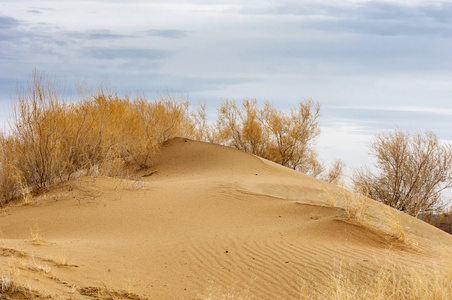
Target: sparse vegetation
62, 260
413, 170
356, 206
35, 235
441, 220
286, 139
394, 226
53, 140
11, 287
335, 173
8, 284
391, 283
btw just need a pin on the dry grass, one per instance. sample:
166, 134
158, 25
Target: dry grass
10, 286
218, 293
35, 235
104, 291
394, 225
53, 140
388, 283
355, 206
392, 283
356, 209
62, 261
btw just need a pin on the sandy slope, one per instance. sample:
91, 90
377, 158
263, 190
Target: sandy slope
206, 221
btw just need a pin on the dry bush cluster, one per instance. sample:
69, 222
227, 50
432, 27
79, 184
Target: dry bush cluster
52, 138
285, 138
412, 171
441, 220
270, 133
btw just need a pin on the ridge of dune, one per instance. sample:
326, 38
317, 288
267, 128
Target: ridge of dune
204, 221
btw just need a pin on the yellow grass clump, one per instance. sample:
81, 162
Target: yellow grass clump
52, 138
392, 283
356, 206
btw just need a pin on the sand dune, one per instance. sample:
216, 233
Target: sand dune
204, 222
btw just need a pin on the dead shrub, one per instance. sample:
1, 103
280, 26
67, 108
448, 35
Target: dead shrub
413, 170
441, 220
52, 138
285, 138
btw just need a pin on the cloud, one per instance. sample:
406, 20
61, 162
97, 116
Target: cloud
168, 33
345, 139
8, 22
26, 33
22, 40
103, 36
369, 17
406, 109
349, 39
97, 35
156, 83
126, 53
108, 34
381, 118
197, 83
390, 19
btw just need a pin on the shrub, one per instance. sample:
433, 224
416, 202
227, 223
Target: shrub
441, 220
335, 173
286, 139
52, 138
412, 171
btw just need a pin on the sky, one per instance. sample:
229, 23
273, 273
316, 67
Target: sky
374, 66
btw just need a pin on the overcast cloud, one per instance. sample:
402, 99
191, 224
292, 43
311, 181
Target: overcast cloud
373, 65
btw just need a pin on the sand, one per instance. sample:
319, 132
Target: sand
205, 222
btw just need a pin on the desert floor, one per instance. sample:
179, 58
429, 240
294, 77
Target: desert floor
205, 222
